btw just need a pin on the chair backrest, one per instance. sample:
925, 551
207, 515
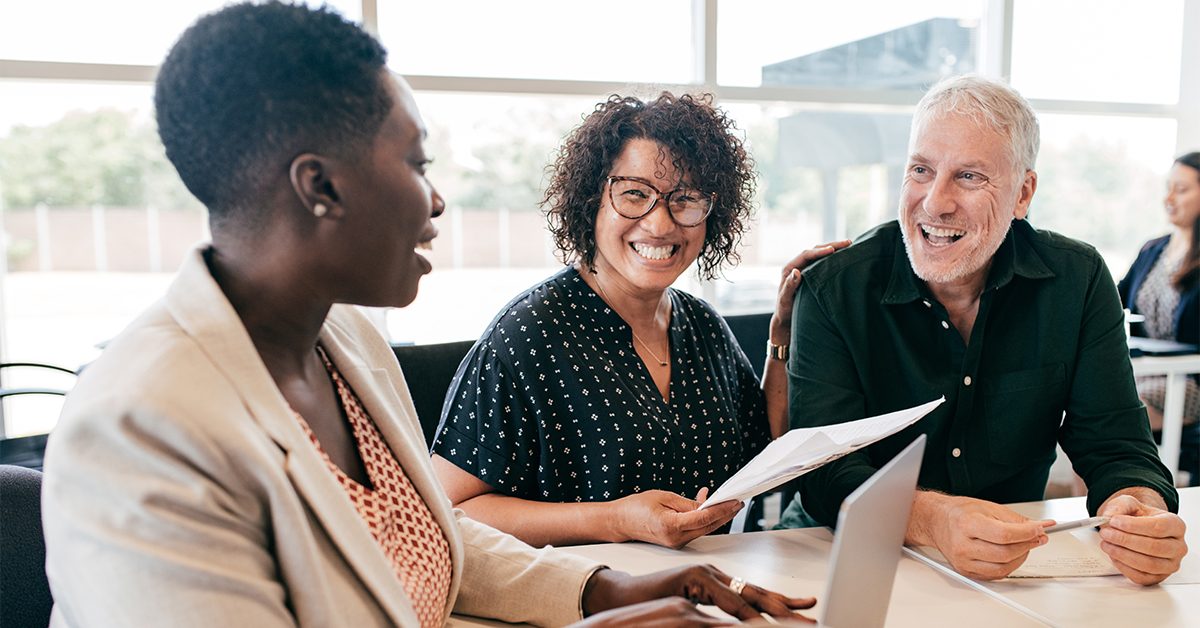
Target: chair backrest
24, 451
752, 332
429, 370
25, 599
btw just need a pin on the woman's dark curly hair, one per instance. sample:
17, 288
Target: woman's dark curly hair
701, 143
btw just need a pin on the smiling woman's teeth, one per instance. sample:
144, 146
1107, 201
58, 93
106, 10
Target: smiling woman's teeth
654, 252
424, 248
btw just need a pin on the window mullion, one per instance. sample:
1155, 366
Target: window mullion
995, 39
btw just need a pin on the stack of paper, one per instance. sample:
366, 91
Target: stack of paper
803, 449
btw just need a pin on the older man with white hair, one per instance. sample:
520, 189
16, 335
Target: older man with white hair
1020, 329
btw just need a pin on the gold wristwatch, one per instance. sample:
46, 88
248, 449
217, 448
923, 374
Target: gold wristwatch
777, 352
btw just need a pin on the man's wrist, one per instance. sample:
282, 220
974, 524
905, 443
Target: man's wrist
927, 510
1143, 494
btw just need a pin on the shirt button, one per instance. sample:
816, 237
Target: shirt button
967, 381
945, 325
956, 452
927, 303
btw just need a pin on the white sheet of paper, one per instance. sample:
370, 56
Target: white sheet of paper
803, 449
1071, 554
1068, 555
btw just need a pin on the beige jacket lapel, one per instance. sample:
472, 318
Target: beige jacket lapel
202, 311
384, 394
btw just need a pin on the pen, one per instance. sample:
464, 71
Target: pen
1081, 523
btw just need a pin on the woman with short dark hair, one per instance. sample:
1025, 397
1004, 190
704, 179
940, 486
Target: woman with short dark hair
598, 402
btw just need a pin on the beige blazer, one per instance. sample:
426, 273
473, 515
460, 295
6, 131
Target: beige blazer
181, 491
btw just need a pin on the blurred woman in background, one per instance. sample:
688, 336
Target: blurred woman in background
1163, 285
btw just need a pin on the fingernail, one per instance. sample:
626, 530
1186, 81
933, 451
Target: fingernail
795, 275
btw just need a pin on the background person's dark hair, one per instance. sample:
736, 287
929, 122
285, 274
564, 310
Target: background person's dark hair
702, 144
249, 87
1189, 270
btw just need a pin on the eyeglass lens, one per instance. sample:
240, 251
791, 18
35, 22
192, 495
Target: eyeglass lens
634, 199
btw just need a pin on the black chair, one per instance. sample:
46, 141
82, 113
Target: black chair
24, 451
752, 332
428, 370
25, 600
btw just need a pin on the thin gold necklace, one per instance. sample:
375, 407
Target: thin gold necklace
635, 336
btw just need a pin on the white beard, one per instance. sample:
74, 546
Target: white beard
975, 259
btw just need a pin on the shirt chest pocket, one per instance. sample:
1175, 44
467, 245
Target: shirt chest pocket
1022, 411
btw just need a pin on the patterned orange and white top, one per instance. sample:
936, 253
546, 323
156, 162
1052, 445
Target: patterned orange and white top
392, 508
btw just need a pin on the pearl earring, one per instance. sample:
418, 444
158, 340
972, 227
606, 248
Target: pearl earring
319, 210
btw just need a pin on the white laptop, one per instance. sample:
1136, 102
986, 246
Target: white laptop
868, 542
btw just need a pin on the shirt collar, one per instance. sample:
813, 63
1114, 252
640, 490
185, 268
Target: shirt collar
1016, 256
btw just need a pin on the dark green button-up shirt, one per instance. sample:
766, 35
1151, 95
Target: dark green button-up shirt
1047, 362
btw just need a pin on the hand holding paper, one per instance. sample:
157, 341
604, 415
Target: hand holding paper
804, 449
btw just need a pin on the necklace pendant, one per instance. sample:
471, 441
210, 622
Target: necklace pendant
604, 297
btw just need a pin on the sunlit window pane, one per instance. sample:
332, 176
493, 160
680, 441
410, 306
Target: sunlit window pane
95, 221
619, 40
136, 32
1104, 188
824, 173
849, 44
490, 153
1108, 50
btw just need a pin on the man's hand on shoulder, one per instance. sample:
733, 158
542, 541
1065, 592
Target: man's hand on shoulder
1143, 539
982, 540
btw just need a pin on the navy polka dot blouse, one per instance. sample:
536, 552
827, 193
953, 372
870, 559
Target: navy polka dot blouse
554, 404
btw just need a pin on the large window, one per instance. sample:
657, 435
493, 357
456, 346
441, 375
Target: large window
95, 221
856, 44
137, 32
1104, 50
490, 151
619, 40
1104, 188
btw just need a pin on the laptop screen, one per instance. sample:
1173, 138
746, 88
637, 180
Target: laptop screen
867, 545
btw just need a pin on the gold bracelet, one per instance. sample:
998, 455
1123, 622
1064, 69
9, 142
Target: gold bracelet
777, 352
